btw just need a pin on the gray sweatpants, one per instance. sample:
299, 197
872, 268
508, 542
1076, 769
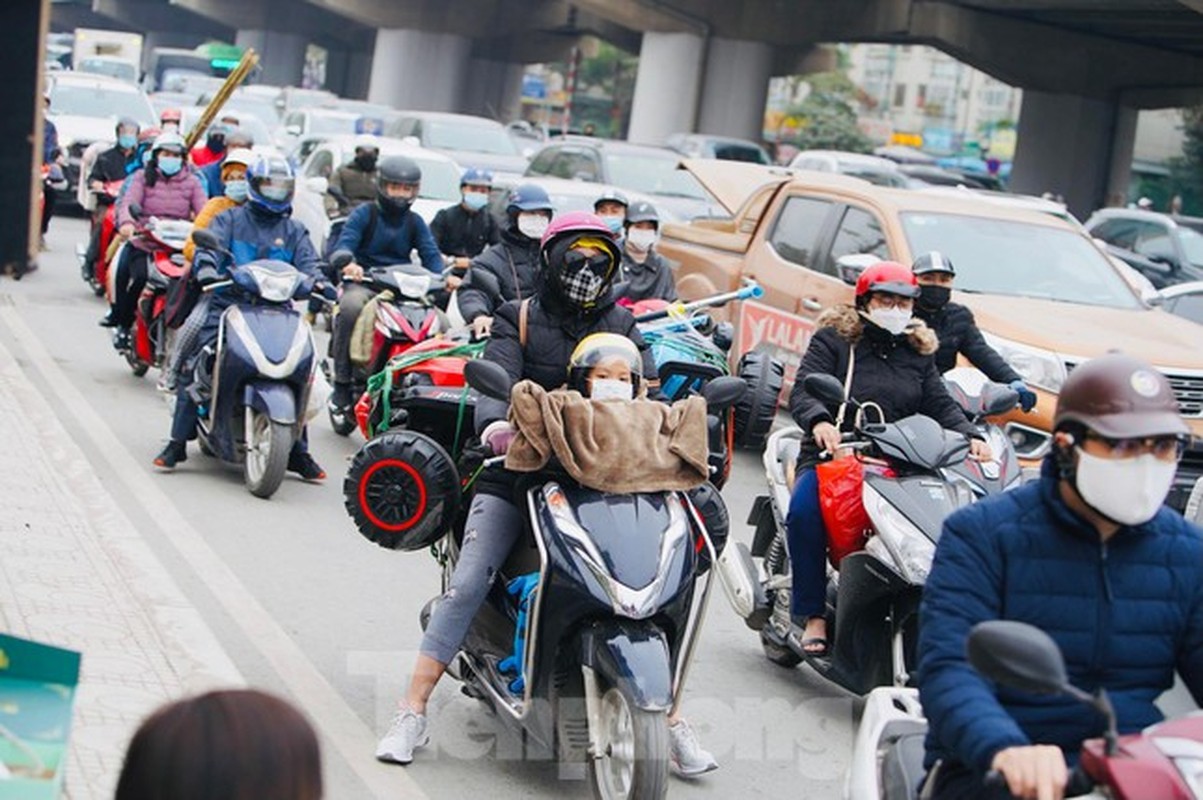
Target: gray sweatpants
494, 525
185, 339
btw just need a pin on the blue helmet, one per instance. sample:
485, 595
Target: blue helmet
476, 177
271, 184
529, 197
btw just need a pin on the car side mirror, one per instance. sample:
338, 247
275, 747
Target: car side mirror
723, 392
488, 378
317, 184
292, 130
1018, 656
825, 388
206, 239
852, 265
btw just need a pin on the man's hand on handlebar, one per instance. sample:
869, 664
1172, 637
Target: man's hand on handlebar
353, 272
1033, 772
482, 326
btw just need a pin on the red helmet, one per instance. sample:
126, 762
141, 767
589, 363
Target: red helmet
171, 115
889, 277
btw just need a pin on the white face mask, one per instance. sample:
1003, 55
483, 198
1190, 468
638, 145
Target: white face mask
533, 226
1129, 490
610, 389
893, 320
642, 238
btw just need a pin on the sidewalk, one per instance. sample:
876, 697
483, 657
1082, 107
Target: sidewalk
75, 572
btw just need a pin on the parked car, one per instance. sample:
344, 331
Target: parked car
1042, 291
874, 169
923, 175
472, 141
700, 145
307, 121
567, 195
1184, 300
250, 101
120, 68
1166, 249
440, 182
85, 108
630, 167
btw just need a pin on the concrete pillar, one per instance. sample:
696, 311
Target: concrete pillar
1073, 146
26, 25
419, 70
281, 55
666, 86
348, 72
494, 89
735, 87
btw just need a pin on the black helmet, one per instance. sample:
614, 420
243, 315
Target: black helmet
642, 211
611, 196
396, 169
1119, 397
935, 261
127, 122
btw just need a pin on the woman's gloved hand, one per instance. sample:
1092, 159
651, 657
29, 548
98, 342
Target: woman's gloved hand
498, 435
1027, 398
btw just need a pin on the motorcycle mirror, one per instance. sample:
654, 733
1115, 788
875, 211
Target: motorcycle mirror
824, 387
723, 392
488, 378
1018, 656
206, 240
998, 399
341, 258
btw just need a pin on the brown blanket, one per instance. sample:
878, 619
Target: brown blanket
611, 446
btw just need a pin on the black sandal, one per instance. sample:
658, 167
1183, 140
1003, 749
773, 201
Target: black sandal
818, 642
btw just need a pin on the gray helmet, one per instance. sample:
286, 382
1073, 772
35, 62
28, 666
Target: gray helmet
642, 211
396, 169
612, 196
935, 261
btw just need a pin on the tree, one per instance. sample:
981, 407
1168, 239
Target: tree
827, 116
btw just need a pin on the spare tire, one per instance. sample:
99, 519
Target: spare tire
402, 490
756, 410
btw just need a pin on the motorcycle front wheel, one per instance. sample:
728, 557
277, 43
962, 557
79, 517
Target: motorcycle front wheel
267, 446
632, 758
136, 365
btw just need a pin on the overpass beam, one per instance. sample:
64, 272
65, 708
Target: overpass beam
418, 70
667, 86
281, 54
735, 88
1074, 146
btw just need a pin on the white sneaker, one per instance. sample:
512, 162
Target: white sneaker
406, 734
687, 758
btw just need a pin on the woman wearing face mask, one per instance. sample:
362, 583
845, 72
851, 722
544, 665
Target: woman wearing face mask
166, 189
887, 357
465, 229
646, 275
506, 271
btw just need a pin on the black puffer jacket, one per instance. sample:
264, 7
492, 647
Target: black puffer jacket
958, 333
896, 372
511, 266
651, 280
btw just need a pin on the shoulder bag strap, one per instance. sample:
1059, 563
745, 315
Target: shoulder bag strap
523, 316
839, 418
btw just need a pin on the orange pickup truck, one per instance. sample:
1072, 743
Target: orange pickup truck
1044, 294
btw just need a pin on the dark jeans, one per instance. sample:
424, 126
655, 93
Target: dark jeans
128, 284
354, 297
807, 547
49, 201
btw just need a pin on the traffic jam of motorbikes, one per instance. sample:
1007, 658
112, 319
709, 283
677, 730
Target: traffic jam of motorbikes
938, 461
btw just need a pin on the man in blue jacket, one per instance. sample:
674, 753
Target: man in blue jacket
1089, 554
378, 234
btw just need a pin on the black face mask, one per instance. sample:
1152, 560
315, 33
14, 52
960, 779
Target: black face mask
366, 163
216, 143
934, 298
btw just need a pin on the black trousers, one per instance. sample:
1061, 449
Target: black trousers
128, 283
49, 201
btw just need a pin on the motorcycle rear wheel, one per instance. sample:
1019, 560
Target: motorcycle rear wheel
267, 446
136, 365
633, 760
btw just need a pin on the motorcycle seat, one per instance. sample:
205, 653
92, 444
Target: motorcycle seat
902, 765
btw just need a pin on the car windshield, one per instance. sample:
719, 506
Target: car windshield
1019, 259
1192, 245
469, 137
653, 175
331, 124
262, 108
125, 70
97, 101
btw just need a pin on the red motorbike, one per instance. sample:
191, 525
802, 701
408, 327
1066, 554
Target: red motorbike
95, 274
166, 264
404, 316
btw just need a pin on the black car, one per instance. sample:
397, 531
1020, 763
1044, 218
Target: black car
1166, 249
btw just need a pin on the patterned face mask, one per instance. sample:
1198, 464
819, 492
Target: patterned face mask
583, 287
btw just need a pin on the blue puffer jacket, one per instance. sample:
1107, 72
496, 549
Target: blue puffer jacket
393, 238
1126, 615
250, 233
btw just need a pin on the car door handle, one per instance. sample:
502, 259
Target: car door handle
811, 304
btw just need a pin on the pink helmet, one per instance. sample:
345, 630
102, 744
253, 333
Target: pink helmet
577, 222
563, 231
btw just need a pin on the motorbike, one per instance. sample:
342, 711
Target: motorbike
609, 627
1161, 761
403, 317
252, 387
914, 477
96, 273
151, 336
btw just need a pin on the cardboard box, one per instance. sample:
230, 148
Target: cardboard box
37, 694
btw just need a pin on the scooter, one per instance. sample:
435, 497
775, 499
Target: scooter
981, 399
913, 480
151, 336
610, 628
1162, 761
96, 273
253, 386
402, 319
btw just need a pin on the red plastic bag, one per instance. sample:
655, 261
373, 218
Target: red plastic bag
844, 515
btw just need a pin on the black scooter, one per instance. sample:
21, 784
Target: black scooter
610, 627
873, 599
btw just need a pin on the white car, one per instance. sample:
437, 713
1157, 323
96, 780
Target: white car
440, 182
874, 169
1184, 300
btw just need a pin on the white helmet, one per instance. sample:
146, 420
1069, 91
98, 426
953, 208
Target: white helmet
366, 141
171, 140
239, 155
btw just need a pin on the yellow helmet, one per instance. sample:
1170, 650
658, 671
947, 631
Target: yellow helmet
598, 347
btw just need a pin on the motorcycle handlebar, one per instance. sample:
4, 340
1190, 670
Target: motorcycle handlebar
1079, 783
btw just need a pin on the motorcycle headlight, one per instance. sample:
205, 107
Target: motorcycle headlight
1038, 367
911, 550
274, 287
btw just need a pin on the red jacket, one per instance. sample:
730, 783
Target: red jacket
203, 155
